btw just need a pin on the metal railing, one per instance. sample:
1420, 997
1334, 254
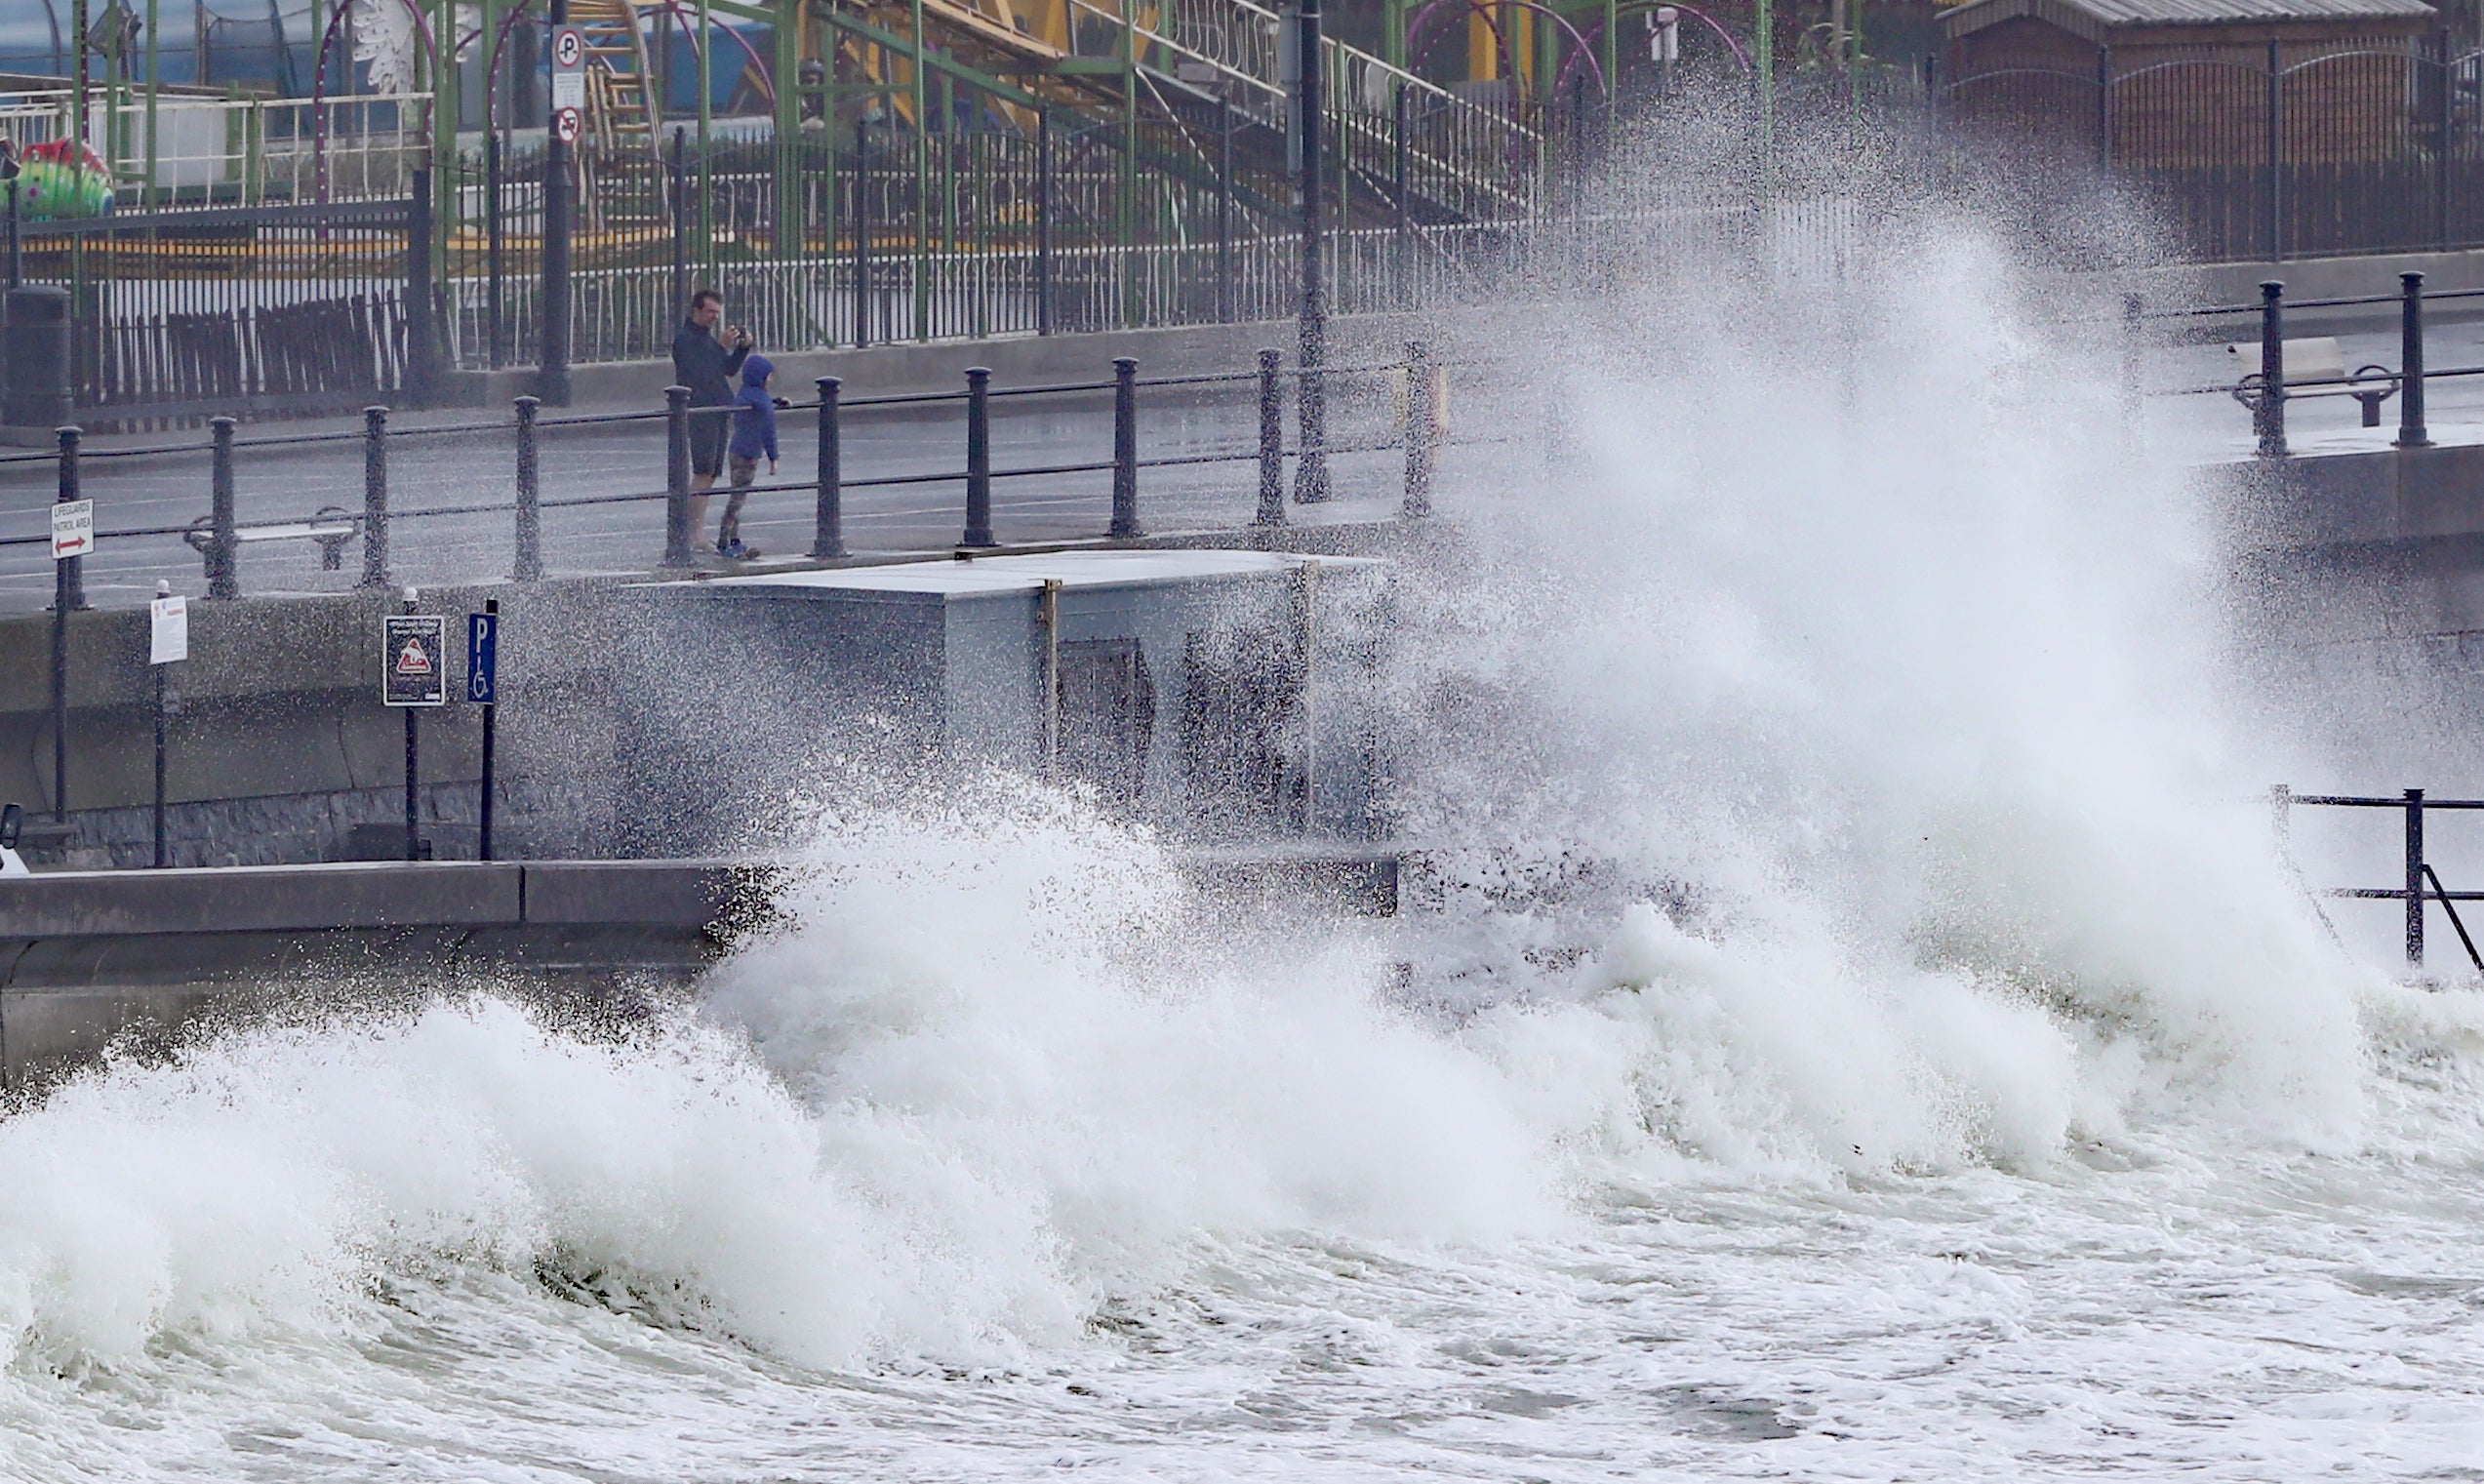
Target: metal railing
240, 152
2264, 392
2423, 883
220, 535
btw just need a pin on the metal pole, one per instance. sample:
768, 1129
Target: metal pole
679, 174
2415, 878
2133, 403
421, 339
374, 497
2411, 432
1224, 210
68, 595
495, 307
222, 580
1125, 449
676, 476
2277, 146
412, 761
491, 718
979, 458
1418, 432
552, 381
1044, 221
1271, 440
829, 541
1050, 614
16, 240
2269, 414
163, 846
861, 232
530, 496
1310, 469
1404, 241
71, 576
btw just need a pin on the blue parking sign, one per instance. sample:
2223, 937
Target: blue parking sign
482, 657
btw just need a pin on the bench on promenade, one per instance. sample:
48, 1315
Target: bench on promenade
333, 527
2319, 363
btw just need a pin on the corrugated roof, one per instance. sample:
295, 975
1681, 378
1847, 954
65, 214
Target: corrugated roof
2092, 17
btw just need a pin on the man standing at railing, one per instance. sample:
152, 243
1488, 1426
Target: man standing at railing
705, 365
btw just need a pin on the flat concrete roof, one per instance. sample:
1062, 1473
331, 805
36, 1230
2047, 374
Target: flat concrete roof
1028, 572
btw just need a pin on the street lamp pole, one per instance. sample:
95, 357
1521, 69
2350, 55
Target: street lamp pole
552, 382
1311, 468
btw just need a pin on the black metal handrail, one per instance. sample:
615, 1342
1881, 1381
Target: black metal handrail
218, 535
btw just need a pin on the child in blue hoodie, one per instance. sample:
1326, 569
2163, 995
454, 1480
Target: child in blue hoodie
754, 434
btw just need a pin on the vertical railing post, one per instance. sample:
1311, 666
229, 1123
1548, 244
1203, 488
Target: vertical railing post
374, 497
223, 578
2134, 400
1419, 431
979, 458
676, 476
529, 567
2269, 412
2411, 433
1125, 449
829, 540
2415, 878
1271, 440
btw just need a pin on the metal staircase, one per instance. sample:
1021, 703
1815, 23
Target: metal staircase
1187, 59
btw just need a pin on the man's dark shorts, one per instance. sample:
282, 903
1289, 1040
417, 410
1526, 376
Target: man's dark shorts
708, 432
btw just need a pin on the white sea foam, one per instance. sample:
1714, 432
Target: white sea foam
1860, 1031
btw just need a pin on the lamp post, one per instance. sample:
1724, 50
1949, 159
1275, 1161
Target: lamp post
1311, 468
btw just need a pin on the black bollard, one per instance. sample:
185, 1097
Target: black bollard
1271, 440
2414, 877
1125, 449
979, 458
828, 541
677, 477
2269, 414
1418, 432
224, 577
374, 497
530, 496
2411, 432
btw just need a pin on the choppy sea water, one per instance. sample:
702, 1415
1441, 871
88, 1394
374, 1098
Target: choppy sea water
1861, 1030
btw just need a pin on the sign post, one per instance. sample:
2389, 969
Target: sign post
569, 102
483, 689
168, 642
72, 538
413, 674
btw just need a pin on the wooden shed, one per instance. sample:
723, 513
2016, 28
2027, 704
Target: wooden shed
2268, 127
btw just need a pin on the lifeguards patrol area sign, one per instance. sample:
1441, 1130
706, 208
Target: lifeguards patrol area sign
413, 655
